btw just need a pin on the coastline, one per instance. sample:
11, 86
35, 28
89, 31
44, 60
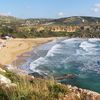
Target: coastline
16, 47
26, 45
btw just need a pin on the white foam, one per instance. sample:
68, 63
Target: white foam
94, 40
84, 54
72, 40
36, 63
68, 40
54, 49
87, 46
91, 65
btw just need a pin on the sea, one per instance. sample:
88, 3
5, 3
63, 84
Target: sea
77, 56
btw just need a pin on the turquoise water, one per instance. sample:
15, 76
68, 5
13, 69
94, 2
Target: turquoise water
71, 56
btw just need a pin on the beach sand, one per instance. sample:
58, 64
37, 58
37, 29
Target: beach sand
16, 47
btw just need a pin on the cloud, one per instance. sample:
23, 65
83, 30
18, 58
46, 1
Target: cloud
97, 5
96, 8
60, 14
5, 14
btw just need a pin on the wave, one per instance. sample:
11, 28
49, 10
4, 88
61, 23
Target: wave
87, 46
72, 40
80, 51
75, 56
53, 50
91, 64
94, 40
36, 63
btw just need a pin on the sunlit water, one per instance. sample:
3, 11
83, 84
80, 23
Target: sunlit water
70, 56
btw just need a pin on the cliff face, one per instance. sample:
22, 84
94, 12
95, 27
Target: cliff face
64, 28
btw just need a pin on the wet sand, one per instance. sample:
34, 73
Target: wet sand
16, 47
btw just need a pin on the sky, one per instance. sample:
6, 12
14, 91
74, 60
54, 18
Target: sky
49, 8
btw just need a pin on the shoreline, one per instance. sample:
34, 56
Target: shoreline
34, 43
19, 46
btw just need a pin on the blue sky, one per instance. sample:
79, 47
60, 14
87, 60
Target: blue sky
49, 8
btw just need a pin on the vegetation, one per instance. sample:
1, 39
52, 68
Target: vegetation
28, 88
32, 89
30, 28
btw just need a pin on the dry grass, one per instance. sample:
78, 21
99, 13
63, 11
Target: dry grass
36, 89
32, 89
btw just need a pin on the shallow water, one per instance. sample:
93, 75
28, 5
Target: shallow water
70, 56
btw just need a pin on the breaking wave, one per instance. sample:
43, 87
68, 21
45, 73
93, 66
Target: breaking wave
76, 56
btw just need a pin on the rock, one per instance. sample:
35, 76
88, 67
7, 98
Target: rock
78, 95
1, 70
30, 78
37, 75
66, 76
89, 95
4, 80
70, 76
75, 88
69, 86
6, 83
97, 97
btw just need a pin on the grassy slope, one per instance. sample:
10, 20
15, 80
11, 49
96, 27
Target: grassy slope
35, 89
32, 89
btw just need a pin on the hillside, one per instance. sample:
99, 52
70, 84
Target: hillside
77, 20
21, 86
9, 20
74, 20
76, 26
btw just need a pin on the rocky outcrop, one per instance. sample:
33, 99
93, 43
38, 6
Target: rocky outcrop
81, 94
6, 83
78, 93
66, 76
63, 28
4, 80
1, 70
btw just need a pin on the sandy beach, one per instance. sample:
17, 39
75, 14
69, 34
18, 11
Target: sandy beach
15, 47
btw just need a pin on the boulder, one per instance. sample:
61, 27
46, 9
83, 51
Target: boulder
4, 80
6, 83
1, 70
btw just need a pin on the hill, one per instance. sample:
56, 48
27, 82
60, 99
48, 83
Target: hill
9, 19
74, 20
75, 26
